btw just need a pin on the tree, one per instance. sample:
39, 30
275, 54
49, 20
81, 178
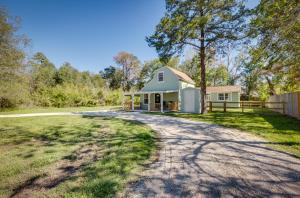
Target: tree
13, 77
67, 74
276, 26
201, 24
43, 72
113, 77
217, 75
130, 67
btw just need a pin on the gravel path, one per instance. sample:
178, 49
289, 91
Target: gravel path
205, 160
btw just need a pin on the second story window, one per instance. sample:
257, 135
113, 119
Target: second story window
160, 76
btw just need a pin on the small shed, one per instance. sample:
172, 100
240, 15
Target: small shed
190, 97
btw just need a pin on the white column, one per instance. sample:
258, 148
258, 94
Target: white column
149, 102
161, 102
132, 102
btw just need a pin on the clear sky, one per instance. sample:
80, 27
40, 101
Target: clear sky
88, 33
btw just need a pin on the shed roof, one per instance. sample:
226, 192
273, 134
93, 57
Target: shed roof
223, 89
182, 76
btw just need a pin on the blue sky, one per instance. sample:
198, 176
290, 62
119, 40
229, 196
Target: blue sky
88, 33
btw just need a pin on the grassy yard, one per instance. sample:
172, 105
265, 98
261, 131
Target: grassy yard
282, 131
71, 156
55, 109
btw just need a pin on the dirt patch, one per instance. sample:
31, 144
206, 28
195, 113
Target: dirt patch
61, 171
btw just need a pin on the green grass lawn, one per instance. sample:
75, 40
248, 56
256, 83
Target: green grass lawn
282, 131
71, 156
55, 109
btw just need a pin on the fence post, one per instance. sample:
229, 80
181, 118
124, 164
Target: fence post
242, 106
225, 106
283, 108
210, 106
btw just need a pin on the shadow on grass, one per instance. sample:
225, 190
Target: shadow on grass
260, 123
113, 150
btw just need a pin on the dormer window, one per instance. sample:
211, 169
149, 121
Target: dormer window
160, 76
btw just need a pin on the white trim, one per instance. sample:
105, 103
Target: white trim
162, 102
150, 92
163, 76
149, 102
229, 96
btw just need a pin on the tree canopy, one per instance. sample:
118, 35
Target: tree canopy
200, 24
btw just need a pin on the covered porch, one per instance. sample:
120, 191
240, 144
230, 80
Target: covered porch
152, 101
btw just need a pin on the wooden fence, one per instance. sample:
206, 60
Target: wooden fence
292, 101
259, 105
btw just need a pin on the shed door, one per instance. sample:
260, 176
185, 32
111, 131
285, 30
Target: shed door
189, 100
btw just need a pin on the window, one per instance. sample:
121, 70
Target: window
160, 76
208, 97
223, 96
226, 96
145, 98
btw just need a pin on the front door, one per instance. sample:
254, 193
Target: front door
157, 98
157, 101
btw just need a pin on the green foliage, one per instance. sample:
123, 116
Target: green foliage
12, 69
113, 97
67, 74
221, 21
199, 24
113, 77
276, 27
217, 76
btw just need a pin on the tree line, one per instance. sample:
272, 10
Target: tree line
224, 44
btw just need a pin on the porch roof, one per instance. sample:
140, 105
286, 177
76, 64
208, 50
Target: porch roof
149, 92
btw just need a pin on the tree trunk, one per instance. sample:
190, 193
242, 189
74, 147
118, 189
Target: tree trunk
271, 87
203, 72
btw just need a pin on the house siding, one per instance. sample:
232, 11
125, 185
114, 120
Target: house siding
233, 96
170, 82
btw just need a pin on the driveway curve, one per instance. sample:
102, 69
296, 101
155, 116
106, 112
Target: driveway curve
205, 160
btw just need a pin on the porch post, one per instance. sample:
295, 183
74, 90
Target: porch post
132, 102
161, 102
149, 101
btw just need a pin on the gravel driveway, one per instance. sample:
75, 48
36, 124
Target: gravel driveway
205, 160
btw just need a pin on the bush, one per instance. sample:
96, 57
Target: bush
6, 103
113, 97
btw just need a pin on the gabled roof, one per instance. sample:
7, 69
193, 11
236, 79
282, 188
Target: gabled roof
223, 89
182, 76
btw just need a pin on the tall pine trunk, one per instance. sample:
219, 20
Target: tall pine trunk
203, 72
